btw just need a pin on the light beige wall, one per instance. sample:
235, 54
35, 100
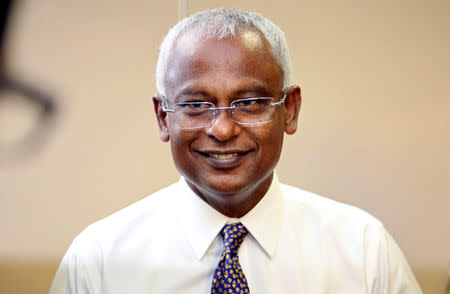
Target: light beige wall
374, 129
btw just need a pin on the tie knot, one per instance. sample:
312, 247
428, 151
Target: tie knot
233, 235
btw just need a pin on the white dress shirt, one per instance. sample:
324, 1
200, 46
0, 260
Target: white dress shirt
298, 242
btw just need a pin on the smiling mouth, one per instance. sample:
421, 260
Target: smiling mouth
224, 160
222, 156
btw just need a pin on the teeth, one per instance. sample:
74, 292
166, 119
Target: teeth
223, 156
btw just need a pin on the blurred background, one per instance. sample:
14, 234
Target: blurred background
374, 125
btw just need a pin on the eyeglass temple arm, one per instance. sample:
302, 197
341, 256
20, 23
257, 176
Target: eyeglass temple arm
165, 107
278, 103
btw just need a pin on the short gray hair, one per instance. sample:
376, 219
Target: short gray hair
222, 23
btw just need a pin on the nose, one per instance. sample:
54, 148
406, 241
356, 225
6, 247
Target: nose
223, 127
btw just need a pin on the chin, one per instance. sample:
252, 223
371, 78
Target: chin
235, 183
224, 184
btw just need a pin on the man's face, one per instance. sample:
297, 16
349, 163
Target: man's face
228, 165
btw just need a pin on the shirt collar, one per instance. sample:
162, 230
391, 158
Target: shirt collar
202, 223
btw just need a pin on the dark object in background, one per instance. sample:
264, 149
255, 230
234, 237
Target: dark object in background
26, 111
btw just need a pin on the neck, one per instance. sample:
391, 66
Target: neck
236, 204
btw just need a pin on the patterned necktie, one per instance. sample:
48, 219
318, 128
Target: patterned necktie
229, 277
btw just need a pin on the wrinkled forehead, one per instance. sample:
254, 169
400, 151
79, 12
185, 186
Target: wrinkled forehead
194, 54
193, 44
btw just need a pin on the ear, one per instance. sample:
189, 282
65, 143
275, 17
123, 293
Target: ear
292, 105
161, 117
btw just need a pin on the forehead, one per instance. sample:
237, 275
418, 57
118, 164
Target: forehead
227, 63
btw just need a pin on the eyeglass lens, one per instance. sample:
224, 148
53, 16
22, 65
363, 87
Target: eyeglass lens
252, 111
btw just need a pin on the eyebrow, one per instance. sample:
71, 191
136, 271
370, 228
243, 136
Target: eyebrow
187, 92
259, 91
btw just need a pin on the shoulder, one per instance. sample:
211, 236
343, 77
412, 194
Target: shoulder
146, 214
325, 211
342, 230
349, 236
108, 241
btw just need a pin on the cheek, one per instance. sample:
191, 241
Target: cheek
180, 143
273, 133
180, 155
277, 132
270, 141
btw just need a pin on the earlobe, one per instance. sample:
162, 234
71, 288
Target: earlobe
292, 105
161, 118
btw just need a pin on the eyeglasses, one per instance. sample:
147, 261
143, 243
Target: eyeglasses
199, 114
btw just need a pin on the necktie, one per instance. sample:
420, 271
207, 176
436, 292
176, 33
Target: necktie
229, 277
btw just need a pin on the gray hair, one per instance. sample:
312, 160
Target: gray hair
222, 23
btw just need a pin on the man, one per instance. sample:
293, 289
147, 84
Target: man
229, 226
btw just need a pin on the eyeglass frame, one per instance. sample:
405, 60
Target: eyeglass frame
165, 108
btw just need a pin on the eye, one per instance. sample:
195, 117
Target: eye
247, 103
194, 108
195, 105
251, 103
